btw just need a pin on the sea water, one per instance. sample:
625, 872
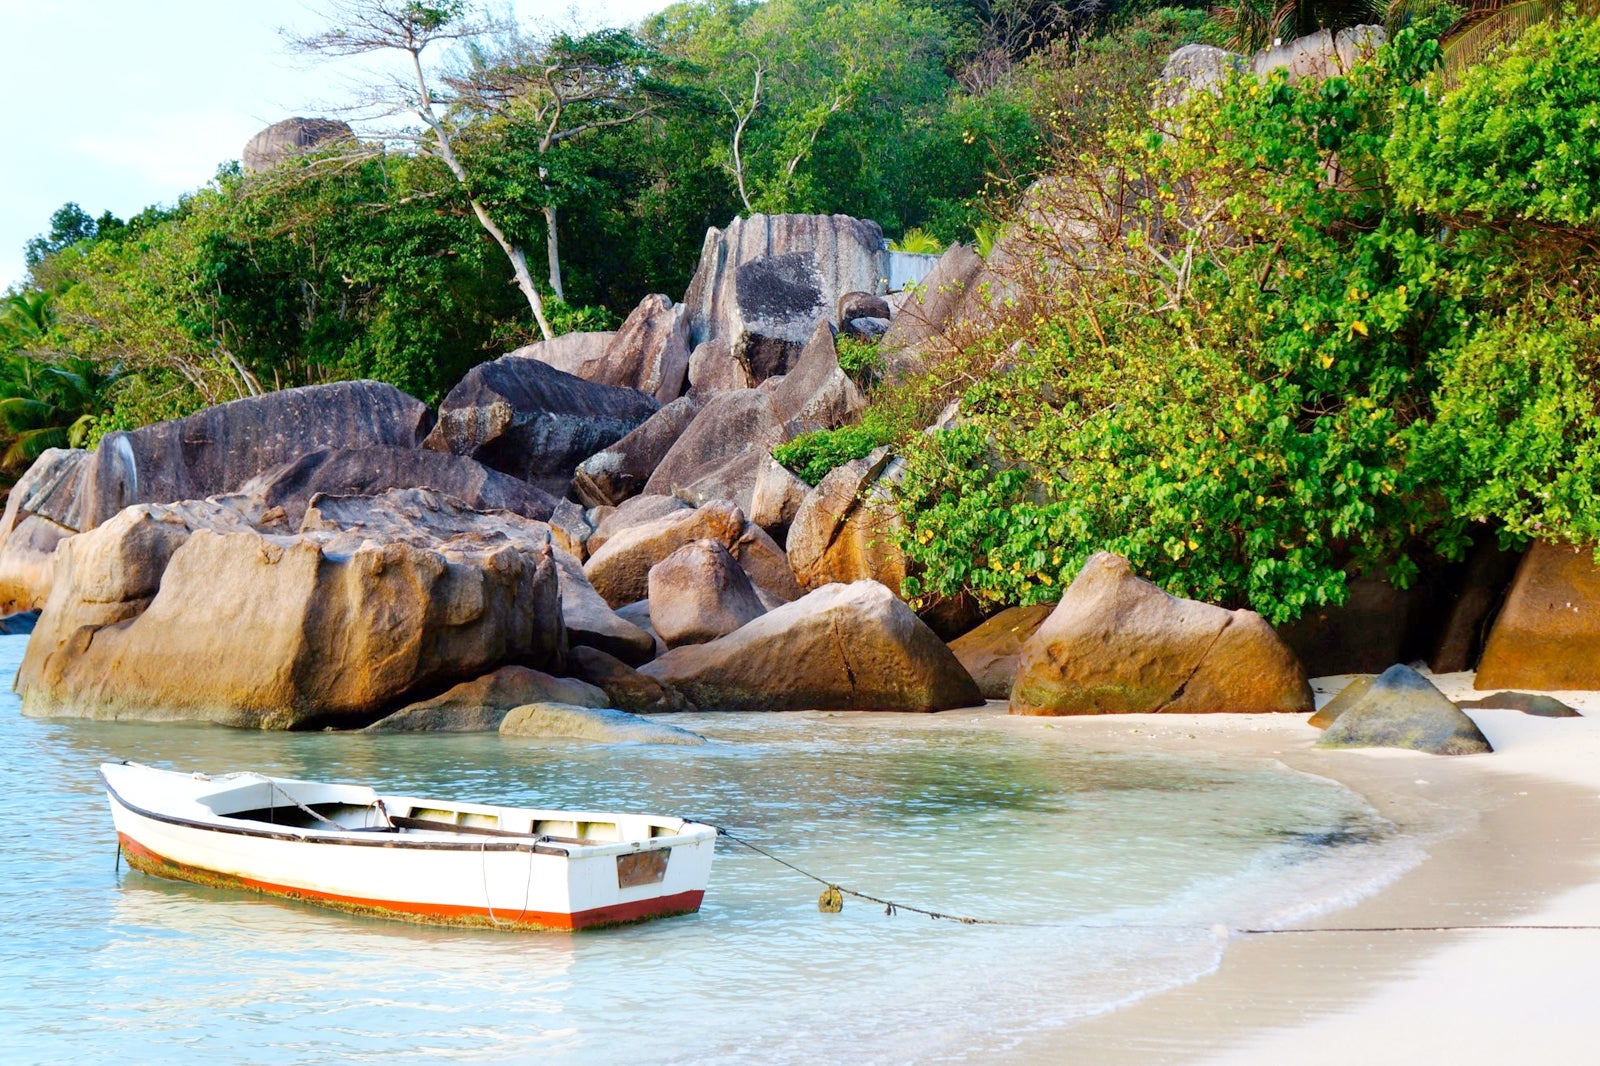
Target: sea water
1109, 877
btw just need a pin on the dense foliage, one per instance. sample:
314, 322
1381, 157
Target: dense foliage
1310, 349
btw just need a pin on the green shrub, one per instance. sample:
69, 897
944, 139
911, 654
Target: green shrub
1518, 140
812, 455
862, 360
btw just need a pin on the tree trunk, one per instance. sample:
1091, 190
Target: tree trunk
553, 248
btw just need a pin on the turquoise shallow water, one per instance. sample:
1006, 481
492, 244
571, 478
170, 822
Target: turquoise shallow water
1123, 866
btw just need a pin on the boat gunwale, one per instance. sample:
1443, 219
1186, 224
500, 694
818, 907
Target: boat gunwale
535, 843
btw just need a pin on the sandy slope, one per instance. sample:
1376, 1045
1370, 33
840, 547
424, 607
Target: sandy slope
1514, 841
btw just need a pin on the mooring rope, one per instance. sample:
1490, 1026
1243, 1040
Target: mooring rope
830, 902
527, 887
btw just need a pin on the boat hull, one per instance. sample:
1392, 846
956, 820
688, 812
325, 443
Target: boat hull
493, 881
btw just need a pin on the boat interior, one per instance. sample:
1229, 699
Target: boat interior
311, 805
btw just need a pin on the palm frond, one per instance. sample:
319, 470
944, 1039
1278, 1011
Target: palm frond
1492, 25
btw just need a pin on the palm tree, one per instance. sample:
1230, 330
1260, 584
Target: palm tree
53, 406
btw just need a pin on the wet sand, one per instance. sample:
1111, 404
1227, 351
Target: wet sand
1411, 972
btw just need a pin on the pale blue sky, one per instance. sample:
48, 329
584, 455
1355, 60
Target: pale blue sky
118, 104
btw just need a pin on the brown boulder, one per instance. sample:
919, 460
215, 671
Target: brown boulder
843, 647
1116, 644
626, 688
1547, 635
845, 528
1346, 698
620, 569
634, 511
27, 560
171, 612
700, 593
990, 651
479, 705
860, 305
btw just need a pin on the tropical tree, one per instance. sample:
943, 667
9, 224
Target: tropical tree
364, 27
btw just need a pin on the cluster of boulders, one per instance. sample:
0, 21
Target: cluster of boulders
591, 522
597, 523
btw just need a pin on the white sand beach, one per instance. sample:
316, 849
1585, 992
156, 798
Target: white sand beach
1488, 951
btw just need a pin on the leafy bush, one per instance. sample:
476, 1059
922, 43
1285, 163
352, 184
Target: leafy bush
1518, 140
812, 455
862, 360
1216, 385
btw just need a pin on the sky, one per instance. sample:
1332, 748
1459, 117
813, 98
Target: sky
119, 104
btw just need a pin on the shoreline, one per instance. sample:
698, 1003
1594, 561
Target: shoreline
1511, 839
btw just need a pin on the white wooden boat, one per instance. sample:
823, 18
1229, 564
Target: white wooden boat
423, 860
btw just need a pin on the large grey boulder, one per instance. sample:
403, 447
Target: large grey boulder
626, 688
582, 355
1402, 709
612, 475
374, 471
651, 350
1116, 644
1321, 55
700, 593
725, 453
532, 421
764, 281
284, 140
217, 450
597, 724
184, 611
479, 705
1198, 68
722, 453
939, 302
816, 393
843, 647
620, 570
776, 498
713, 369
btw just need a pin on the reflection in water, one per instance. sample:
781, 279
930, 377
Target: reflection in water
1117, 866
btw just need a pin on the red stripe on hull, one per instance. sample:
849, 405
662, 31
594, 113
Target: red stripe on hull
147, 861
